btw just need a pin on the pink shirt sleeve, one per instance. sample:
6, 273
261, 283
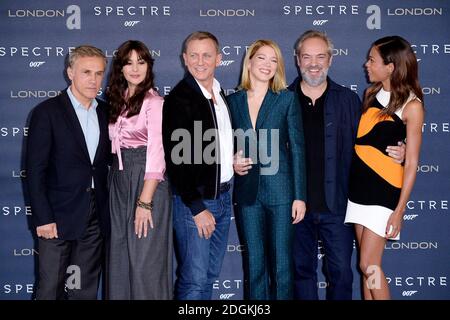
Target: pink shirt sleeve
155, 165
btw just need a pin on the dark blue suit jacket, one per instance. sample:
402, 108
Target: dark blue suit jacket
280, 181
341, 117
59, 170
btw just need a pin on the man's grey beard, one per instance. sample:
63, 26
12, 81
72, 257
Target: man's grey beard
314, 82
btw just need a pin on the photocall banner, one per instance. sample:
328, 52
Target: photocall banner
36, 36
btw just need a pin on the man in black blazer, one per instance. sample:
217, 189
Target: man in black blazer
201, 177
67, 160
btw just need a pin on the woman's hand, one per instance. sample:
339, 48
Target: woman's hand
241, 165
298, 211
142, 218
394, 224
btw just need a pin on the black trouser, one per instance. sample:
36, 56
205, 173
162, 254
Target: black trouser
79, 261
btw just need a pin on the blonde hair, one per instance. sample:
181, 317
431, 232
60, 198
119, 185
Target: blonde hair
278, 82
85, 51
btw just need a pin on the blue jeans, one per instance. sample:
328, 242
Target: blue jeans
199, 259
337, 241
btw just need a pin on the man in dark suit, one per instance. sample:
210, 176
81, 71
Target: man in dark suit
67, 164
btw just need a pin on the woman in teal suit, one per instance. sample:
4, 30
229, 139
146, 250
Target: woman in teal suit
269, 190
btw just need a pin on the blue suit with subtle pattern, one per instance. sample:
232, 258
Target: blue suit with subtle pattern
264, 196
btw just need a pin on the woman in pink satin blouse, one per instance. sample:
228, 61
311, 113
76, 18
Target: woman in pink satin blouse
140, 254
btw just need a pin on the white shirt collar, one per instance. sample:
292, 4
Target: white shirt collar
215, 88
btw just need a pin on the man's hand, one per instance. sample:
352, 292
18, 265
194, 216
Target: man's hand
47, 231
397, 153
206, 224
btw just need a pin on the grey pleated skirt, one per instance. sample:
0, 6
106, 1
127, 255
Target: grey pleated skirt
138, 268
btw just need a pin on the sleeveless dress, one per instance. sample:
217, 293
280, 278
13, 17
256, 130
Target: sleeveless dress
375, 179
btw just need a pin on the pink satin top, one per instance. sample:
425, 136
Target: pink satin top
143, 129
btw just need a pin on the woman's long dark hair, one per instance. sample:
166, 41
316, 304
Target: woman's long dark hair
117, 84
404, 78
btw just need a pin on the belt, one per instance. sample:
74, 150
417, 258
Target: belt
225, 187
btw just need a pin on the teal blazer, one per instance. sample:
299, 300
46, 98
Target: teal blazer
273, 179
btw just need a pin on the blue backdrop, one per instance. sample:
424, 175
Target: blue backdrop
37, 35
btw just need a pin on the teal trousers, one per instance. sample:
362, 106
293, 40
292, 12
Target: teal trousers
267, 234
